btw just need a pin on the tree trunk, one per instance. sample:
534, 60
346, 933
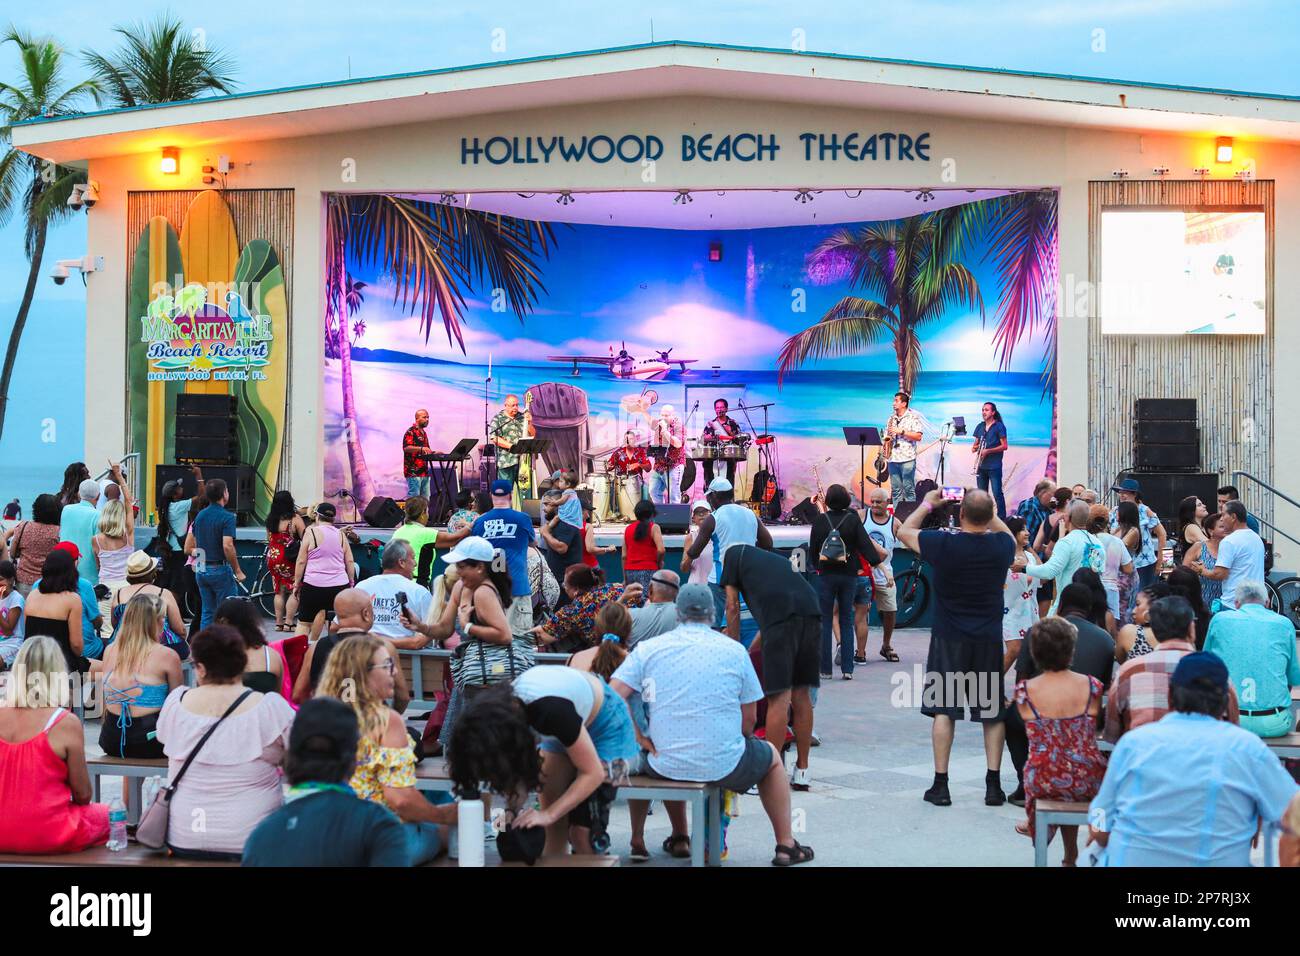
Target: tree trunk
16, 333
363, 489
1050, 470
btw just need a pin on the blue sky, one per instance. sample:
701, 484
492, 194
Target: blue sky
1242, 44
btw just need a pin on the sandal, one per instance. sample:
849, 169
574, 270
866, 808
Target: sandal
889, 654
678, 847
639, 854
792, 855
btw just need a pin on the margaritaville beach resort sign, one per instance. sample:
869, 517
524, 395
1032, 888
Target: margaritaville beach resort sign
190, 339
709, 147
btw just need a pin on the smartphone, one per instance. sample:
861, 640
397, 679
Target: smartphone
953, 492
401, 598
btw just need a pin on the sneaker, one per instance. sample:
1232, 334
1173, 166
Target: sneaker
814, 740
993, 795
827, 675
846, 675
800, 779
938, 795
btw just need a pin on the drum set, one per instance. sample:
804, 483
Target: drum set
702, 449
614, 496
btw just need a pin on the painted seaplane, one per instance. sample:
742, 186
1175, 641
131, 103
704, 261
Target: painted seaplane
625, 365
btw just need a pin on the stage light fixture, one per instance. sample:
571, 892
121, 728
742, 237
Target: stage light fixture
447, 199
924, 195
170, 162
715, 252
683, 196
803, 196
565, 198
1223, 149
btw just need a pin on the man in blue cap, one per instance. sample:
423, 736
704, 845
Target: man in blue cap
512, 532
1151, 545
1190, 788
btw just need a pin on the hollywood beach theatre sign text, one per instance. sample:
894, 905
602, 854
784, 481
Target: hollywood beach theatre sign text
710, 147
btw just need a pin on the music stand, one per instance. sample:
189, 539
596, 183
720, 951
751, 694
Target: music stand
862, 437
532, 447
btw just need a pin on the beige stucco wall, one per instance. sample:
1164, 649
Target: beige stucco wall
426, 157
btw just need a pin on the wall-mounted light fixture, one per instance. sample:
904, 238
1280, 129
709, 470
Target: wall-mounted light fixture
1223, 149
170, 162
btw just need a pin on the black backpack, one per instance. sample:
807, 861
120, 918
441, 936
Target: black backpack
833, 548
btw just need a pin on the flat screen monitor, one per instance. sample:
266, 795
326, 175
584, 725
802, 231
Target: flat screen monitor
1183, 272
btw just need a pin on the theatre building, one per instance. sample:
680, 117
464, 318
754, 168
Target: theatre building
624, 239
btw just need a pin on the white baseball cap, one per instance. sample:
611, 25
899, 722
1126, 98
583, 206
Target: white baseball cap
702, 504
720, 484
472, 548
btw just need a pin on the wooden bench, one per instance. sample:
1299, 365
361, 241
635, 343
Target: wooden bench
135, 769
133, 855
705, 801
1286, 746
424, 669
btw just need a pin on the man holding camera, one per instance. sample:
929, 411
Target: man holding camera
394, 589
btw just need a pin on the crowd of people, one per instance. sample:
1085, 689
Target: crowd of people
707, 671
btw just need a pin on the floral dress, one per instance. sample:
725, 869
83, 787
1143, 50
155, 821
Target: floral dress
1019, 603
1064, 762
379, 767
1211, 590
277, 558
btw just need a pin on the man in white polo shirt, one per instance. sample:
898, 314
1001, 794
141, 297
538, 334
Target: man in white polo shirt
1241, 555
393, 588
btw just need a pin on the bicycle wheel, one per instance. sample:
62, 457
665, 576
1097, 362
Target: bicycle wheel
913, 597
1284, 598
263, 594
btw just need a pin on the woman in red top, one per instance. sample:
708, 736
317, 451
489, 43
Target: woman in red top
43, 773
589, 546
643, 546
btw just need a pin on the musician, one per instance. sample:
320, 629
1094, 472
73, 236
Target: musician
415, 443
903, 432
722, 429
628, 464
990, 442
668, 433
510, 426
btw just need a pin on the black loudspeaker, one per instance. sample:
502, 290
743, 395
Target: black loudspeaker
217, 450
1166, 457
903, 510
533, 508
238, 479
383, 512
804, 512
207, 428
673, 519
1162, 491
1166, 433
1165, 409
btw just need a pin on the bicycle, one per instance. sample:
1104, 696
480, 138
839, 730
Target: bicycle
262, 593
1284, 598
913, 589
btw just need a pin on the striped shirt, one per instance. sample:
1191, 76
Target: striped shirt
1140, 694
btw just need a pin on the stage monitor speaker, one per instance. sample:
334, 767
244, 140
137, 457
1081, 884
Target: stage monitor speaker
197, 403
1163, 490
238, 478
804, 512
673, 519
222, 451
383, 512
1166, 433
1166, 457
533, 508
1165, 409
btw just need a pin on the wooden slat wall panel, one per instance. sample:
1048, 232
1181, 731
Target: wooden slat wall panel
258, 214
1230, 376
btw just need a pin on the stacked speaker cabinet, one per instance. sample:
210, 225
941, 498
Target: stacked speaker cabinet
1165, 435
207, 429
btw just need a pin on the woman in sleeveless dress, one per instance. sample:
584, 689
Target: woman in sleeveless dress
1060, 709
113, 546
284, 526
1133, 640
1208, 555
141, 578
324, 568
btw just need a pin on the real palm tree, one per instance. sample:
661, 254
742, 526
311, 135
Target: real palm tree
911, 274
435, 253
36, 189
160, 62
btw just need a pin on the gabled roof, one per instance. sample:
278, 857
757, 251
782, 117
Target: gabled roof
667, 69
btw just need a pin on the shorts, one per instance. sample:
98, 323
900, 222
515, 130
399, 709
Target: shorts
313, 599
611, 732
886, 598
792, 654
964, 676
1047, 591
520, 614
138, 744
753, 766
862, 592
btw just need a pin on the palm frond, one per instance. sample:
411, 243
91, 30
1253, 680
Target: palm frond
850, 327
1022, 245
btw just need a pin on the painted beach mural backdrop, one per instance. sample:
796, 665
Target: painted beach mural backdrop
825, 323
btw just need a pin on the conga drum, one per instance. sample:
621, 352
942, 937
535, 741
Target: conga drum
600, 497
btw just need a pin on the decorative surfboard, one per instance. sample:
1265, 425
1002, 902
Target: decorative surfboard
210, 250
156, 274
262, 400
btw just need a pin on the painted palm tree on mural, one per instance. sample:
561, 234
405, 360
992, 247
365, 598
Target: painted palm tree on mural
37, 190
435, 253
911, 270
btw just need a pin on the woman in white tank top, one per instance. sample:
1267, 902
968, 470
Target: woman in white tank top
113, 546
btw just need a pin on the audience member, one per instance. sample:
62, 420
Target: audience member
1189, 534
30, 542
964, 662
1184, 582
1099, 611
659, 614
113, 546
1132, 640
1229, 493
1126, 526
1189, 789
726, 525
233, 781
73, 476
701, 692
643, 545
323, 822
1118, 561
1151, 533
1208, 555
43, 772
393, 590
139, 673
263, 668
702, 566
1140, 693
1258, 647
211, 541
838, 543
284, 531
572, 627
56, 609
141, 574
876, 582
325, 567
512, 532
11, 615
1077, 548
1241, 554
1019, 594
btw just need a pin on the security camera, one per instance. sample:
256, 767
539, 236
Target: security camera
74, 198
60, 274
84, 265
90, 194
